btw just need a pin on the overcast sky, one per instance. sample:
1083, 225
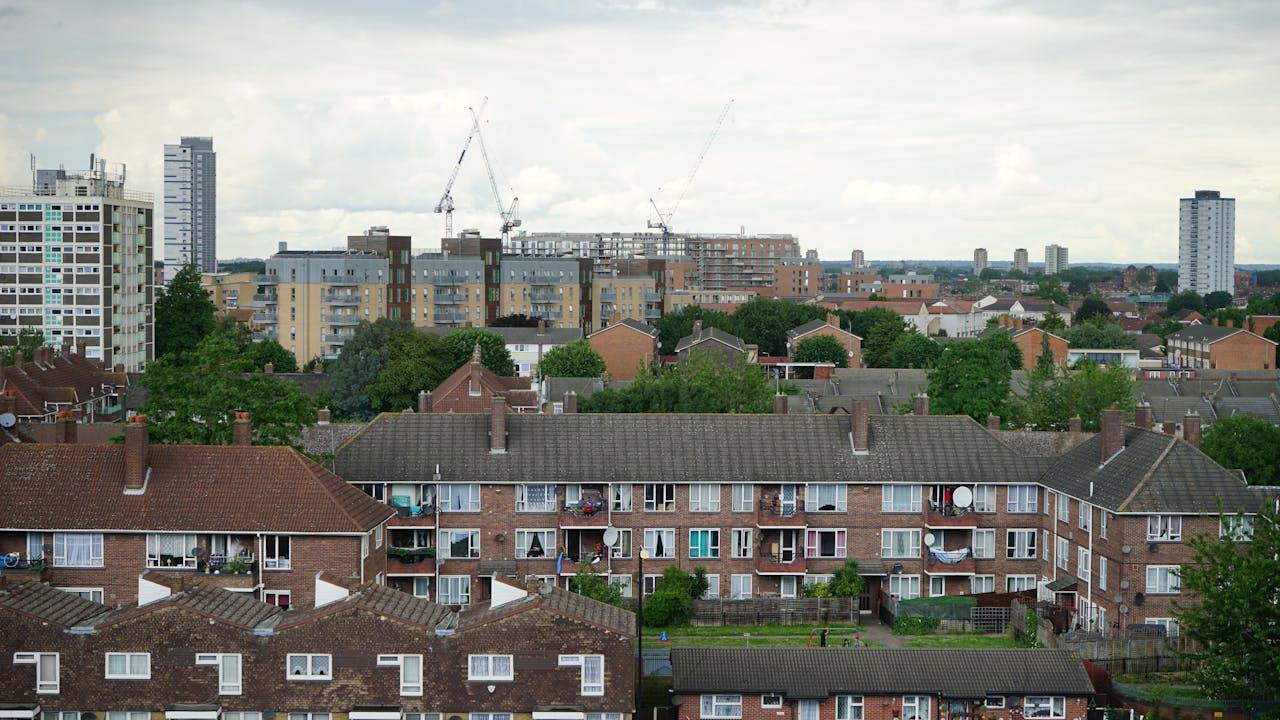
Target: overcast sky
907, 129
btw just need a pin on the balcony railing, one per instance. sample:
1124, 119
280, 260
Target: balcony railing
267, 279
447, 280
771, 563
348, 319
266, 317
270, 334
584, 515
652, 296
340, 298
266, 298
545, 314
608, 295
546, 280
940, 515
949, 562
540, 296
334, 339
340, 280
450, 298
410, 565
652, 313
777, 514
239, 564
448, 317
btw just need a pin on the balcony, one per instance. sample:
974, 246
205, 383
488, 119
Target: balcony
652, 313
770, 564
584, 514
447, 280
448, 317
450, 298
545, 297
652, 296
770, 514
608, 295
266, 318
340, 298
949, 562
20, 568
545, 314
949, 516
270, 334
267, 279
340, 280
334, 339
345, 319
420, 516
546, 280
411, 561
266, 299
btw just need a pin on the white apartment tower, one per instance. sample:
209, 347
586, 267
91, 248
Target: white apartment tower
1207, 243
858, 259
979, 260
1055, 259
76, 264
190, 206
1020, 260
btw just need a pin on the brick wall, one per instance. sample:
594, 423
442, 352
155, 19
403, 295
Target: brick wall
875, 707
623, 350
1243, 351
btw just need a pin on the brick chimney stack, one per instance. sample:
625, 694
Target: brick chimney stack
136, 439
242, 429
324, 416
833, 320
779, 404
1112, 432
920, 404
269, 369
860, 426
498, 425
1191, 428
570, 403
66, 346
697, 327
66, 431
424, 401
993, 422
1075, 424
476, 363
1142, 416
1169, 428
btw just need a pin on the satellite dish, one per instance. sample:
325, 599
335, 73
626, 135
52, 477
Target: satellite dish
929, 539
1124, 609
610, 536
8, 420
962, 497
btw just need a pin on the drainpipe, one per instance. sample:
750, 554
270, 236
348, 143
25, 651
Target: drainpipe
1093, 564
262, 553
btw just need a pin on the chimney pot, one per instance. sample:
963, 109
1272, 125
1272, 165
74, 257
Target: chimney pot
498, 425
424, 401
993, 422
570, 403
136, 440
1112, 432
697, 327
323, 416
779, 404
242, 429
833, 320
1191, 428
1075, 424
920, 405
1142, 415
269, 368
66, 430
860, 426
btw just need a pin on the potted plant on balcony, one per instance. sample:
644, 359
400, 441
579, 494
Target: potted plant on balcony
236, 565
410, 556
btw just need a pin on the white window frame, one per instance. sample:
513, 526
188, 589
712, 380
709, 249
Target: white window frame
378, 534
908, 586
546, 535
1064, 508
92, 594
1010, 548
139, 715
659, 497
311, 661
272, 558
1102, 572
129, 658
1084, 563
60, 549
1056, 707
1062, 550
189, 560
44, 685
720, 707
1022, 499
704, 497
813, 497
470, 503
987, 581
765, 704
410, 686
740, 586
741, 547
839, 542
622, 547
1025, 582
1164, 528
1237, 527
446, 584
1172, 583
1170, 625
227, 684
850, 707
444, 543
651, 542
921, 707
620, 497
1103, 517
890, 502
912, 551
591, 678
984, 498
986, 548
712, 544
548, 504
1086, 516
994, 702
743, 497
480, 668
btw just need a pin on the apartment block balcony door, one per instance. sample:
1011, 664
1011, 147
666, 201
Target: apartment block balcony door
788, 500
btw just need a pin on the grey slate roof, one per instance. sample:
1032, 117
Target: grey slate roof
823, 672
707, 334
1154, 473
810, 326
1173, 409
556, 387
50, 604
678, 448
1257, 406
1204, 333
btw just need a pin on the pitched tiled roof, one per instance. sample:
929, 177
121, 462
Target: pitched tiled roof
822, 672
380, 600
643, 448
516, 389
1154, 473
707, 334
558, 601
66, 379
50, 604
805, 329
193, 488
636, 325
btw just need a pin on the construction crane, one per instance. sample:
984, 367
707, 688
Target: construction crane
510, 216
663, 220
446, 198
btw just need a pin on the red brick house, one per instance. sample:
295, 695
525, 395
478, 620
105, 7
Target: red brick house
472, 387
37, 389
626, 347
877, 684
1214, 346
204, 653
254, 519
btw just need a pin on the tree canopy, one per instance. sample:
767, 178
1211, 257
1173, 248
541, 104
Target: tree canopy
1248, 443
416, 361
1052, 322
1099, 334
973, 378
1050, 288
588, 582
1092, 306
1084, 391
493, 350
821, 348
358, 365
765, 322
698, 384
193, 396
183, 314
1185, 300
1217, 299
27, 342
575, 359
679, 324
878, 343
913, 350
516, 320
1234, 618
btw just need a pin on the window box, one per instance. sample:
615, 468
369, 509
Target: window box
411, 556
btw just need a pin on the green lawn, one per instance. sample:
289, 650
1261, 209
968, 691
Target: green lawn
977, 642
749, 636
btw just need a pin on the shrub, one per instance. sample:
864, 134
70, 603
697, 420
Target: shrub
915, 625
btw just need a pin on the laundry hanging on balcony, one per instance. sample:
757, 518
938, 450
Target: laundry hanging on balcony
949, 557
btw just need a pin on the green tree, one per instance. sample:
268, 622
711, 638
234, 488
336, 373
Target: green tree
765, 322
1166, 280
516, 320
193, 396
1092, 306
679, 324
1248, 443
1273, 334
878, 343
673, 596
358, 365
1235, 619
847, 581
821, 348
270, 351
913, 350
596, 586
1260, 304
1084, 391
575, 359
1099, 334
1050, 288
1164, 328
1217, 299
860, 323
1185, 300
990, 274
184, 314
27, 342
493, 350
699, 384
973, 378
1052, 322
415, 361
1228, 317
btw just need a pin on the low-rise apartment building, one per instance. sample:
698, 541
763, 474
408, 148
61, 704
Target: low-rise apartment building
1215, 346
203, 653
554, 290
230, 291
768, 503
261, 520
39, 389
877, 684
312, 300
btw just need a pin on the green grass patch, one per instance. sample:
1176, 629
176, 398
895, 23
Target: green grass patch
937, 600
753, 636
972, 642
738, 630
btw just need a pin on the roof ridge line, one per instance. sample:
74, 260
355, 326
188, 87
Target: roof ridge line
1173, 441
307, 464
